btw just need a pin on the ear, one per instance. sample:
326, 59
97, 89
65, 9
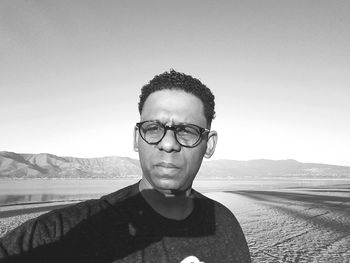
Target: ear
136, 139
211, 144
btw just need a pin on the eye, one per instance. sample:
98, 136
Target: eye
152, 128
185, 131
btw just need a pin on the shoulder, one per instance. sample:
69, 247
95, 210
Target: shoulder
121, 195
52, 226
224, 218
67, 217
225, 221
219, 208
228, 231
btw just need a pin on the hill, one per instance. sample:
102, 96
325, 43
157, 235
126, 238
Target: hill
44, 165
260, 169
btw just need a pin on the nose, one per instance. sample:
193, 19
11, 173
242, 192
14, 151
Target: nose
169, 142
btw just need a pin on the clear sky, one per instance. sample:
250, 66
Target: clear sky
71, 72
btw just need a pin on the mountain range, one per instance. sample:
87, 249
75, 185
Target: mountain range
44, 165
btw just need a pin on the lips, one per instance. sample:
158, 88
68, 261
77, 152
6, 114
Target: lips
167, 165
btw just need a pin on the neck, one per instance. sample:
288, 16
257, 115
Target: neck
171, 205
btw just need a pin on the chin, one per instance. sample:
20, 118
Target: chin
171, 188
167, 185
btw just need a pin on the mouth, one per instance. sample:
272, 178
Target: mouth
167, 165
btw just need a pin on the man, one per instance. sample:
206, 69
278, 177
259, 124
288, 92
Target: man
159, 219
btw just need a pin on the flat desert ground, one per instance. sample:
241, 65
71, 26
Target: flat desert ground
281, 225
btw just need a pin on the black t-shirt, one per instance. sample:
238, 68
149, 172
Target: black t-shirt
122, 227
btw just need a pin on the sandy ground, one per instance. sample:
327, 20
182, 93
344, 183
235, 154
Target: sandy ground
294, 225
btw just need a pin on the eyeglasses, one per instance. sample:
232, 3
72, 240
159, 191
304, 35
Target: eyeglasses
187, 135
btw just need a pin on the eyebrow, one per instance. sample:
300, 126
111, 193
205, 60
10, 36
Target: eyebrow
175, 124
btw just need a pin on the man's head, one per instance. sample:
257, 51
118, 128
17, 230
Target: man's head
178, 81
173, 110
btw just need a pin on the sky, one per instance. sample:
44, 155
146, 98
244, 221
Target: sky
71, 74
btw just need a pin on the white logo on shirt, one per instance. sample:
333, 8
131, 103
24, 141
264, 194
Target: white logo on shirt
191, 259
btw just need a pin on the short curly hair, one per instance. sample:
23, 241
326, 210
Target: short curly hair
174, 80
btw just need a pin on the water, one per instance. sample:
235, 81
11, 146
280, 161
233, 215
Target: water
48, 190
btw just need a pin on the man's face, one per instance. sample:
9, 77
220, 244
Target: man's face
167, 166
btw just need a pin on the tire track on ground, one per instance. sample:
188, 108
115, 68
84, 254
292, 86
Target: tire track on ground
290, 238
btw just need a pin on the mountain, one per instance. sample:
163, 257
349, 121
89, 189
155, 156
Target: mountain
259, 169
44, 165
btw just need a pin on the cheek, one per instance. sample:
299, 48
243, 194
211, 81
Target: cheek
144, 152
194, 157
144, 148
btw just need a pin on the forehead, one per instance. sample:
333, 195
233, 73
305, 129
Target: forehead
174, 106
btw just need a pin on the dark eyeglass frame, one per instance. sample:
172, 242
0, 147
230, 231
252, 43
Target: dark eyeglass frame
174, 129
